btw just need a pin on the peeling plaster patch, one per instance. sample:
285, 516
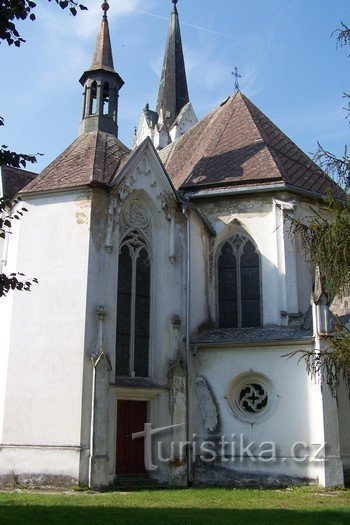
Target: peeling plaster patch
206, 404
32, 481
99, 219
83, 214
226, 219
226, 210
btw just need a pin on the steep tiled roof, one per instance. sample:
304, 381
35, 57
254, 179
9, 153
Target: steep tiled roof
93, 158
14, 179
236, 144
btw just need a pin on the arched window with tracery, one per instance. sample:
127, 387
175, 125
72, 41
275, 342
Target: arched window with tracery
239, 288
133, 310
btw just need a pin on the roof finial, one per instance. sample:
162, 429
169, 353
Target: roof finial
175, 2
237, 76
105, 7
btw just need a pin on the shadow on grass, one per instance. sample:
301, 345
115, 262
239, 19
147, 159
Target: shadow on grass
102, 515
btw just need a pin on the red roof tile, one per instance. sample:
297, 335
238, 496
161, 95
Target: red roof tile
237, 144
14, 179
93, 158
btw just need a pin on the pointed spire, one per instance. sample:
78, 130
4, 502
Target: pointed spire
173, 91
103, 58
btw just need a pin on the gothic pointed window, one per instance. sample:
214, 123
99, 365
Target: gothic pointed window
239, 296
133, 315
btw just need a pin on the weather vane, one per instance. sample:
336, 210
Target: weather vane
237, 76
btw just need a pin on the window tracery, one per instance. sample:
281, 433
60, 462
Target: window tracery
133, 309
239, 295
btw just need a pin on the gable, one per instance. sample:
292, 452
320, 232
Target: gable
144, 171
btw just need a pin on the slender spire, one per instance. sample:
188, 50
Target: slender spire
173, 92
101, 85
103, 58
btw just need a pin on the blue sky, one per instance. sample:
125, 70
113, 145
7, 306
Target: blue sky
290, 66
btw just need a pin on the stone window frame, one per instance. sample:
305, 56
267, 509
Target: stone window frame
243, 234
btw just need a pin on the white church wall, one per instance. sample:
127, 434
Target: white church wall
199, 240
344, 426
304, 271
295, 421
6, 305
256, 218
44, 384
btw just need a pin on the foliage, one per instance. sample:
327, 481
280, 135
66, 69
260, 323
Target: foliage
325, 239
333, 361
9, 211
12, 11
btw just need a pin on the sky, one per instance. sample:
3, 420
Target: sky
290, 65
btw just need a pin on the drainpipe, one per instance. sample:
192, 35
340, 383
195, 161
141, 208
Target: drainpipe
92, 423
187, 348
95, 359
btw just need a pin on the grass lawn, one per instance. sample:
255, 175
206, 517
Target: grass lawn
302, 506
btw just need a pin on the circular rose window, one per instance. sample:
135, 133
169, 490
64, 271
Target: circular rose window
251, 397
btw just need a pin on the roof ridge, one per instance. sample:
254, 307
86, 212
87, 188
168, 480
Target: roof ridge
222, 127
264, 136
96, 152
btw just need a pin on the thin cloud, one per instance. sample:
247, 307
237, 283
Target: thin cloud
200, 28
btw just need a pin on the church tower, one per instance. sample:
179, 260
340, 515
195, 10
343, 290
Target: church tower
174, 114
173, 91
101, 85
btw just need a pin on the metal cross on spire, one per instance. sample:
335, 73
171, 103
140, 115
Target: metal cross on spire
237, 76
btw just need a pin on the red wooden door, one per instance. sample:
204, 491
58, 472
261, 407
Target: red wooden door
132, 415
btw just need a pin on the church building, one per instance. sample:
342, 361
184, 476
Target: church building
163, 339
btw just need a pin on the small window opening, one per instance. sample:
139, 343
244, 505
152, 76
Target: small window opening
105, 98
93, 99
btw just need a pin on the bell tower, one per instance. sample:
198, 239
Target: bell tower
101, 86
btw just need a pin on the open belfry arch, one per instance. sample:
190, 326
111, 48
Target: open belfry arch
169, 292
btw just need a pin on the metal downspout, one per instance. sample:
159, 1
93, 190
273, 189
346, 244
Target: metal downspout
187, 348
92, 423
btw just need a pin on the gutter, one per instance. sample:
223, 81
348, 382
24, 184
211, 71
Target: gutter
259, 189
250, 344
